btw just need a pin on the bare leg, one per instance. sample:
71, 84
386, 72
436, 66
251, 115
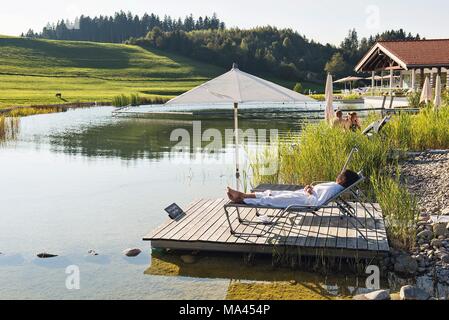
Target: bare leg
238, 196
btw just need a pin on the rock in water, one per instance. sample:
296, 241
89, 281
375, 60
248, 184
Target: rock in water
375, 295
405, 264
187, 258
45, 255
378, 295
413, 293
132, 252
92, 252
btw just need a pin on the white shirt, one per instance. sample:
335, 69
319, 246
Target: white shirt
324, 191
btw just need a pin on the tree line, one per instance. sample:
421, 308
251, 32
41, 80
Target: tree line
283, 53
121, 27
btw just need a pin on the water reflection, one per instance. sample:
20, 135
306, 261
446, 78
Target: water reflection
9, 128
131, 139
259, 279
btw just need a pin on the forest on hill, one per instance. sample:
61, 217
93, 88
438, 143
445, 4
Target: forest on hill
282, 53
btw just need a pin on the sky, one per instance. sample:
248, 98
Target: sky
324, 21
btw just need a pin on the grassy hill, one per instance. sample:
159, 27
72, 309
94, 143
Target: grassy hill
33, 71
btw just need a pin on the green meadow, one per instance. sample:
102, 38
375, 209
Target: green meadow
33, 71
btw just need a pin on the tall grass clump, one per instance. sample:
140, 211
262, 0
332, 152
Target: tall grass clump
428, 129
30, 111
121, 101
320, 152
399, 209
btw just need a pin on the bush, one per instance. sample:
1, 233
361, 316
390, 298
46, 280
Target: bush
298, 87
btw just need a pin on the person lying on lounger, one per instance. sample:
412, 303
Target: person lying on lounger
313, 196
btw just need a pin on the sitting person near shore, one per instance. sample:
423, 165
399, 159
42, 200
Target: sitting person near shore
309, 196
353, 122
339, 121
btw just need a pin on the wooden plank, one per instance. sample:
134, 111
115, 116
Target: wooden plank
184, 223
314, 229
251, 229
301, 231
169, 223
371, 230
334, 221
382, 240
204, 223
323, 232
279, 232
245, 248
362, 244
220, 224
342, 233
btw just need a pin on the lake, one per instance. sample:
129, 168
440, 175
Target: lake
82, 179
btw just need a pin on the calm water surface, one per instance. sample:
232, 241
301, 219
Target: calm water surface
83, 180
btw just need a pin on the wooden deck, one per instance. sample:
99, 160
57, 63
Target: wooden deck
205, 228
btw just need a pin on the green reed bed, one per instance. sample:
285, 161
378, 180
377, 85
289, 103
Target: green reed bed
30, 111
429, 129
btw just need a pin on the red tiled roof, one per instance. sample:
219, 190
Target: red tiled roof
420, 52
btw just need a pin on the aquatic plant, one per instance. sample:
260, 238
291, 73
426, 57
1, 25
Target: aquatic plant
9, 128
399, 209
31, 111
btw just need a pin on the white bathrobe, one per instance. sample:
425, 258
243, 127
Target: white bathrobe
282, 199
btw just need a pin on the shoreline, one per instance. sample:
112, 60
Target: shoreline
63, 106
426, 265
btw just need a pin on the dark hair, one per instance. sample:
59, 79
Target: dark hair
339, 112
347, 178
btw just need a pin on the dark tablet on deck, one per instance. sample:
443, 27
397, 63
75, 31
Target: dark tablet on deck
174, 211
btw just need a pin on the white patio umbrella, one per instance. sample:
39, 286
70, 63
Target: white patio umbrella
437, 101
349, 79
236, 87
426, 93
329, 94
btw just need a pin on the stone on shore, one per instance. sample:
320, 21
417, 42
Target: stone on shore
413, 293
405, 264
374, 295
439, 229
132, 252
425, 235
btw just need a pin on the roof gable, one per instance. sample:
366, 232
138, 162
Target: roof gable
407, 54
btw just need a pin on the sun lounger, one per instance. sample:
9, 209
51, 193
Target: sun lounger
376, 126
340, 201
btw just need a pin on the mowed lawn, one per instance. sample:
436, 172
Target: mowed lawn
33, 71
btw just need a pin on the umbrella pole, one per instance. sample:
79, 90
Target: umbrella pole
236, 135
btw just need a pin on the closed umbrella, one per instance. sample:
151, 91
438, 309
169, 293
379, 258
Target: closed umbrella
426, 93
236, 87
437, 101
329, 94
